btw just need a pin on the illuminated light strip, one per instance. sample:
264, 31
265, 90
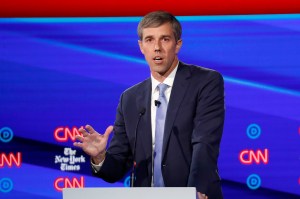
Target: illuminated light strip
142, 61
103, 53
92, 51
71, 20
239, 17
137, 19
262, 86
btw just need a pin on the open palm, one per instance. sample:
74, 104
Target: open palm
91, 142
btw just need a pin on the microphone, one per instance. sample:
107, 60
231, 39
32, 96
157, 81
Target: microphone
141, 113
156, 103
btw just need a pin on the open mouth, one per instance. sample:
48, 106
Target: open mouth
157, 58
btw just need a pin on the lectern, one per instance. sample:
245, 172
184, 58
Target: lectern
130, 193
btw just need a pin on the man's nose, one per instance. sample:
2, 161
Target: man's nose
157, 46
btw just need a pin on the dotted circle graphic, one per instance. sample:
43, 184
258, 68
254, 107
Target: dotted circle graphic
6, 185
6, 134
253, 181
253, 131
127, 182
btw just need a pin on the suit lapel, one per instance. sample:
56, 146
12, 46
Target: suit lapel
178, 92
143, 100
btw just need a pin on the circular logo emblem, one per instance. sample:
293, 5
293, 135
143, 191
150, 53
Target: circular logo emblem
253, 181
6, 185
6, 134
253, 131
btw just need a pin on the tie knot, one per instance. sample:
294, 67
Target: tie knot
162, 88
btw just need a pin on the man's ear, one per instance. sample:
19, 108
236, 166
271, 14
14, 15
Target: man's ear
141, 46
178, 45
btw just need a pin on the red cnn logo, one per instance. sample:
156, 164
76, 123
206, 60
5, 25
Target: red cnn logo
10, 159
61, 183
250, 156
62, 134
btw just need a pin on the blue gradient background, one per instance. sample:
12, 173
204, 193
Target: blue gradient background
71, 71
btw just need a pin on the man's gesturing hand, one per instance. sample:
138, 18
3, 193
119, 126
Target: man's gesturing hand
93, 143
201, 196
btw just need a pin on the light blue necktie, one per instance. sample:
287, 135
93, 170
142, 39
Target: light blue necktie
161, 111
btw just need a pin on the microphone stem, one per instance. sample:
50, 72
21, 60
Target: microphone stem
132, 177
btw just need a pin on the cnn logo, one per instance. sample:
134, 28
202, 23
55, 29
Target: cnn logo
64, 134
61, 183
250, 156
10, 160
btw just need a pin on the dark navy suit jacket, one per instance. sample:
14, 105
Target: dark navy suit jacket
193, 131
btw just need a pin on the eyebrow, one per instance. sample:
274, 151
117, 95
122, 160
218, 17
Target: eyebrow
162, 36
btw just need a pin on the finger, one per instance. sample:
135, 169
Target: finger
79, 138
77, 144
202, 196
108, 131
83, 131
90, 129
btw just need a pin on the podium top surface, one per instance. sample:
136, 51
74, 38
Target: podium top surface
130, 193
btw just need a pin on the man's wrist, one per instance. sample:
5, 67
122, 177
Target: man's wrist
99, 158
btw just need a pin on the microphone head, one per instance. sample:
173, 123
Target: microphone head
156, 102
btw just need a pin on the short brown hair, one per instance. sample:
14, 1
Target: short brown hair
157, 18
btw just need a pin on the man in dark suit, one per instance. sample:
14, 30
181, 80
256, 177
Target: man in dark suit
192, 124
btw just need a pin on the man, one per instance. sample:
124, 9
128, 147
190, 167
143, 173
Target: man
174, 132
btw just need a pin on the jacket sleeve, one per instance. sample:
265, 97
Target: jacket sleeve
207, 133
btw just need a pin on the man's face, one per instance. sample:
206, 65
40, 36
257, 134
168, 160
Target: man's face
160, 50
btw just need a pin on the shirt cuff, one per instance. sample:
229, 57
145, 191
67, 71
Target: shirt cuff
97, 167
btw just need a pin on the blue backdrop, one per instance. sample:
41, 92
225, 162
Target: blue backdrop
58, 74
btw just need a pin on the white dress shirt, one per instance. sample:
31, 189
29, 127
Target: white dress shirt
154, 96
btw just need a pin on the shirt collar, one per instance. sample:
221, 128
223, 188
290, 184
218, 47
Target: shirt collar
169, 80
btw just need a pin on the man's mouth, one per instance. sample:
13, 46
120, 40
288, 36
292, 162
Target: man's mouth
157, 58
